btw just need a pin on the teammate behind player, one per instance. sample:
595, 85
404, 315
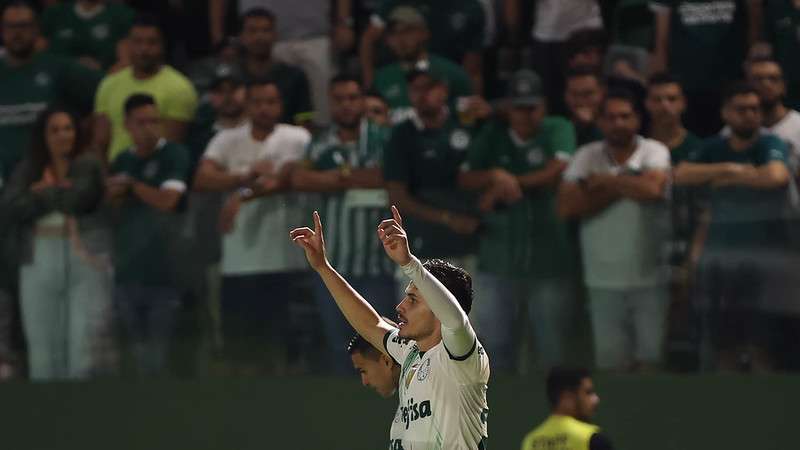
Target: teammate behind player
573, 402
444, 369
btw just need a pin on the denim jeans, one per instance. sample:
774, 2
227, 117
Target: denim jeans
628, 325
496, 316
66, 310
148, 314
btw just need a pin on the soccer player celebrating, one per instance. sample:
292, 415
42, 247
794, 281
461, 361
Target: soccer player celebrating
444, 369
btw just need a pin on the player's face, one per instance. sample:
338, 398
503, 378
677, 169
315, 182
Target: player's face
743, 114
347, 104
415, 318
376, 373
587, 400
665, 102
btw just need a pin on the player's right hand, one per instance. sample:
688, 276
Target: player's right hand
312, 242
394, 238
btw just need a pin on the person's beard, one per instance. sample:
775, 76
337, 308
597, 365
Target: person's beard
21, 52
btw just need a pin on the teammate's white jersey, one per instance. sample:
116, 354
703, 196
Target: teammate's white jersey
442, 399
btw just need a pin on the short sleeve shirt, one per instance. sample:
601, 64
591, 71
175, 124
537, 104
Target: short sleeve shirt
526, 238
174, 94
442, 399
712, 31
352, 214
623, 245
743, 216
428, 161
143, 235
252, 247
72, 34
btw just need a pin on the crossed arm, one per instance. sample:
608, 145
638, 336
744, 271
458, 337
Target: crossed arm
596, 193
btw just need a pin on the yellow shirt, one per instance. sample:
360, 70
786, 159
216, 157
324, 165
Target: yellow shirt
560, 433
174, 94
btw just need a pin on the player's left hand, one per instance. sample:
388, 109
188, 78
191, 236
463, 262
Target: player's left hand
394, 238
312, 242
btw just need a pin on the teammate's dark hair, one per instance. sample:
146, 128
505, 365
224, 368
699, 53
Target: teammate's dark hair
346, 78
257, 13
455, 279
360, 345
736, 89
564, 379
137, 101
620, 94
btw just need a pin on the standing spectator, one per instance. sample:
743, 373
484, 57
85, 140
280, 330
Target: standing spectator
174, 94
742, 266
30, 80
457, 32
767, 79
253, 163
573, 402
421, 167
781, 21
583, 96
617, 188
525, 255
709, 31
90, 31
666, 104
148, 181
304, 37
344, 163
554, 22
65, 277
408, 37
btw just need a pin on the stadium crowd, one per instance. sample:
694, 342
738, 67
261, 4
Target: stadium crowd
619, 177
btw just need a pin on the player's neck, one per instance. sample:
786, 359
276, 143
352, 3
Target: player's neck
430, 341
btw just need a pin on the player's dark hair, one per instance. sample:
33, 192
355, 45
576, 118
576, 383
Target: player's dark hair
455, 279
736, 89
346, 78
137, 101
564, 379
257, 13
358, 344
148, 21
620, 94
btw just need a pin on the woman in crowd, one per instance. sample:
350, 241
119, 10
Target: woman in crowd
53, 200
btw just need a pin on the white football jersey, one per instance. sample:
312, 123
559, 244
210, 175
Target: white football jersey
442, 399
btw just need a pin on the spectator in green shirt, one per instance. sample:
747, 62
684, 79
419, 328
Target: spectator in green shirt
525, 255
457, 32
408, 38
90, 31
421, 166
147, 183
744, 267
344, 163
583, 96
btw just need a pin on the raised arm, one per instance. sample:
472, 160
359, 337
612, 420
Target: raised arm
457, 333
358, 312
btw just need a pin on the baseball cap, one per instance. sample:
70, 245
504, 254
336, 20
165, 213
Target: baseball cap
525, 88
226, 72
